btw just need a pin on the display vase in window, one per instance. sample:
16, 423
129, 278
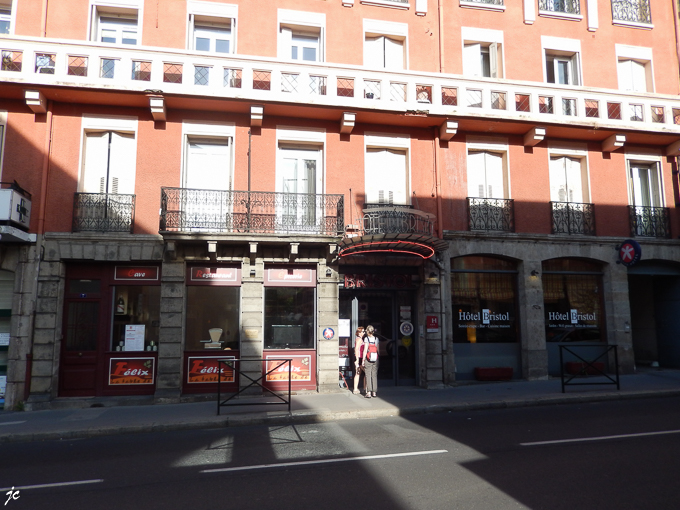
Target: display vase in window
120, 306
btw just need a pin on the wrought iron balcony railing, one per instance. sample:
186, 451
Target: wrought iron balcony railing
573, 218
261, 212
101, 212
490, 2
496, 214
395, 219
633, 11
649, 221
562, 6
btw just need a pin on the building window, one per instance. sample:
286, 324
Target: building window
645, 184
560, 6
483, 298
301, 35
289, 317
568, 180
212, 308
116, 28
383, 52
486, 175
208, 163
633, 11
108, 163
5, 17
212, 37
387, 176
562, 68
482, 60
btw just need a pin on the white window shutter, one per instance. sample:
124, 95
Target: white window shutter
625, 75
208, 165
96, 150
639, 76
386, 176
574, 181
285, 43
493, 59
494, 176
575, 76
374, 57
476, 175
122, 163
558, 183
472, 60
394, 53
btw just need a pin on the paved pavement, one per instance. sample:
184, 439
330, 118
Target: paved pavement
306, 408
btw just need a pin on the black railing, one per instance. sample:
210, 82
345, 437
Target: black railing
636, 11
565, 6
233, 366
649, 221
395, 219
102, 212
197, 210
573, 218
588, 363
491, 214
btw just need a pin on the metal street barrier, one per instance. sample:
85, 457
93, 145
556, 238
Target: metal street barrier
589, 366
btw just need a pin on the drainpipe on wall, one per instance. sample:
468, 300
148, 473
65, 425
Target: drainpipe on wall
677, 31
440, 16
45, 6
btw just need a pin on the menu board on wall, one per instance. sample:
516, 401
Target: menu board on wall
134, 337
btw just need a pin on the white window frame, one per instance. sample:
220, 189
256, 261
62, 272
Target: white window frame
290, 23
391, 30
645, 159
3, 136
471, 4
207, 131
123, 9
90, 123
638, 54
496, 145
492, 40
394, 142
393, 4
206, 13
560, 50
291, 137
11, 6
574, 151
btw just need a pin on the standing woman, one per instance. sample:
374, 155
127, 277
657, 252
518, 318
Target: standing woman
358, 359
371, 362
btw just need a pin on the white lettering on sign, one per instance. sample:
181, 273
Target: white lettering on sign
486, 316
573, 316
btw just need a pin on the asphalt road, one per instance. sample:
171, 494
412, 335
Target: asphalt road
611, 455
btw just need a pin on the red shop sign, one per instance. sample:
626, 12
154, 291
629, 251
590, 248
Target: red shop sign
205, 370
300, 368
432, 322
215, 274
378, 281
136, 273
284, 277
126, 371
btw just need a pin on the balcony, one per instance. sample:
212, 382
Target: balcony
256, 212
649, 221
491, 214
632, 11
573, 218
101, 212
396, 229
40, 63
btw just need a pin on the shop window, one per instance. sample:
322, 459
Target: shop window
136, 318
289, 317
212, 318
484, 300
6, 295
573, 297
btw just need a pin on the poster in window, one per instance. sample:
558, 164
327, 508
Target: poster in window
300, 369
131, 371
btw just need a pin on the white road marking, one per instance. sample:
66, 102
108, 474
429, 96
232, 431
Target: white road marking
325, 461
601, 438
49, 485
13, 422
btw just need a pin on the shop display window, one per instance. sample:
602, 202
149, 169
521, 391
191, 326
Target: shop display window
212, 318
572, 301
289, 318
484, 300
136, 318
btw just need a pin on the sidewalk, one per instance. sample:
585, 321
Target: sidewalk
307, 408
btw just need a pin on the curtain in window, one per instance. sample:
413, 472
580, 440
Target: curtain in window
118, 162
386, 176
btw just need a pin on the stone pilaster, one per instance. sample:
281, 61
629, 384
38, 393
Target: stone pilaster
327, 317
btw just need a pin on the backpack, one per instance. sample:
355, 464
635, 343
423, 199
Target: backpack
372, 354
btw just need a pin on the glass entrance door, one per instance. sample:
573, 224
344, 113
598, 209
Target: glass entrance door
385, 311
